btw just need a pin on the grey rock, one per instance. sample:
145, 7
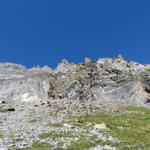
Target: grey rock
18, 84
108, 79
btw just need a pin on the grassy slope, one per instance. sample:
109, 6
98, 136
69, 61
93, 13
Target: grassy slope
131, 127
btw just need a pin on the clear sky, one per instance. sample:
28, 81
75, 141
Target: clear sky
45, 31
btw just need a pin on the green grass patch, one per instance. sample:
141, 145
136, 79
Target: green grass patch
11, 135
1, 135
33, 120
131, 127
54, 134
56, 125
81, 144
3, 110
36, 146
85, 142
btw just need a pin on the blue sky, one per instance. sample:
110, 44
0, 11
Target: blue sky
45, 31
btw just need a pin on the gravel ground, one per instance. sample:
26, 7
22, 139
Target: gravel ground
22, 127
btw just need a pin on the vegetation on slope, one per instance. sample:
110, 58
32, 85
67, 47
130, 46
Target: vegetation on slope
131, 128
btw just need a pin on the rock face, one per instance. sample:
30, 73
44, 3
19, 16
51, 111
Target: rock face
20, 84
108, 79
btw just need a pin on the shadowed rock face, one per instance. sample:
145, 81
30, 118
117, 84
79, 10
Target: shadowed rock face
108, 79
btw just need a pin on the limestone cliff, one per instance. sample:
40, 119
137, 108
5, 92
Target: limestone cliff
107, 79
20, 84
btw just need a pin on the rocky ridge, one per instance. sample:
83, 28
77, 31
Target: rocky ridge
108, 79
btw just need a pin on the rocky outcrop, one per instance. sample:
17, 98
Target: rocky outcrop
18, 84
107, 79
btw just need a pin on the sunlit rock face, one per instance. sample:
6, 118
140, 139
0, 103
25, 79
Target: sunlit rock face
107, 79
20, 84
